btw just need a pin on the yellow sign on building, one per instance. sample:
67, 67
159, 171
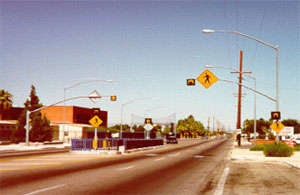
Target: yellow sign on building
277, 126
207, 78
96, 121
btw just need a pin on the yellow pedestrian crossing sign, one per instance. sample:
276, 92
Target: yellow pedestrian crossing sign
207, 78
277, 126
96, 121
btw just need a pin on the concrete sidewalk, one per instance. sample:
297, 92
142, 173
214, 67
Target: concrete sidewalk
243, 153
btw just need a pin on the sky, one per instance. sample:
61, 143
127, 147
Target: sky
149, 49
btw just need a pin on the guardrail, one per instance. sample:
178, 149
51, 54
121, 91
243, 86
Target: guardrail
114, 144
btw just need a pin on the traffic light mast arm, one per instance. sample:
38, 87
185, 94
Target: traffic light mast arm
36, 110
228, 81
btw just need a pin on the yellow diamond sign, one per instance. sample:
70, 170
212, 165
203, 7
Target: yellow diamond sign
96, 121
207, 78
277, 126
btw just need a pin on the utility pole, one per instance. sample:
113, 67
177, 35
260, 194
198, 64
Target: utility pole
238, 124
208, 123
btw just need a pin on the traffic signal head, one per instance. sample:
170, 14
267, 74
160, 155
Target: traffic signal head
275, 115
113, 98
148, 120
96, 111
190, 82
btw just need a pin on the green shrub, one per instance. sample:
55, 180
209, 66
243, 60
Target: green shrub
257, 148
297, 148
279, 149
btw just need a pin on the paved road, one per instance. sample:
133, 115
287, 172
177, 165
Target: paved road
194, 167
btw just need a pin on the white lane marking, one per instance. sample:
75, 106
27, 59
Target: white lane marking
220, 187
159, 159
197, 156
125, 168
45, 189
174, 154
151, 154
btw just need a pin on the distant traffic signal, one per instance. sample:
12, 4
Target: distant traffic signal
148, 120
190, 82
96, 111
275, 115
113, 98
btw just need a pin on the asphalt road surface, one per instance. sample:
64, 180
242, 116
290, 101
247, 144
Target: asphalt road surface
192, 167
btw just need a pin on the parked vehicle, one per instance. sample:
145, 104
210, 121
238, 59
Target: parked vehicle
297, 140
171, 138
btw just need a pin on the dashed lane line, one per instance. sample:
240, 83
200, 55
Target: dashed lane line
222, 181
125, 168
198, 156
44, 189
173, 155
159, 159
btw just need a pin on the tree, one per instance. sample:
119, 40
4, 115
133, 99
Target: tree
139, 128
292, 122
5, 102
262, 126
189, 127
40, 125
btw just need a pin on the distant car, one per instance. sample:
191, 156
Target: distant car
171, 138
297, 140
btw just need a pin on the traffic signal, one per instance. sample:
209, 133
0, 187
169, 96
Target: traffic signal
148, 120
275, 115
113, 98
96, 111
190, 82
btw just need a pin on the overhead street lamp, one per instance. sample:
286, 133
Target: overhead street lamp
252, 77
208, 31
122, 108
72, 86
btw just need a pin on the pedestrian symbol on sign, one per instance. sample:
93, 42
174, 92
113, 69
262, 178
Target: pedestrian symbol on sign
207, 77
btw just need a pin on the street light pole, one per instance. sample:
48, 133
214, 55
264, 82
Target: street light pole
260, 41
67, 88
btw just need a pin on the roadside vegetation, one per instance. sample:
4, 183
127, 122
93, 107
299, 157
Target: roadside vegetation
275, 149
279, 150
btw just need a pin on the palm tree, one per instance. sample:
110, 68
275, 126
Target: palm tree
5, 101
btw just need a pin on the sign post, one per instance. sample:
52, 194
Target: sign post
148, 126
96, 122
277, 127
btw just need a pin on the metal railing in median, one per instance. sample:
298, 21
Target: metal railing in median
114, 144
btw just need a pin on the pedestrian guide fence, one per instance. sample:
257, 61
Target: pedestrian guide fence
114, 144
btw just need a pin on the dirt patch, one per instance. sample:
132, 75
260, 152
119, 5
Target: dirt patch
262, 178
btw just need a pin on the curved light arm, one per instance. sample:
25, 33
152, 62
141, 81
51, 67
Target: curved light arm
229, 68
153, 98
94, 80
242, 34
72, 98
155, 108
248, 88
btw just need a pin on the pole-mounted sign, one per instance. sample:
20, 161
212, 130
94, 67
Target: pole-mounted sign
207, 78
94, 96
